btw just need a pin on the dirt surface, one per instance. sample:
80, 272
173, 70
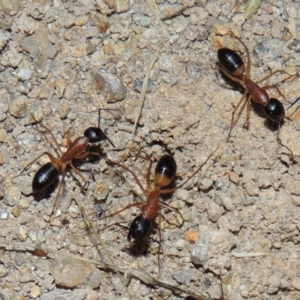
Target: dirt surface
63, 60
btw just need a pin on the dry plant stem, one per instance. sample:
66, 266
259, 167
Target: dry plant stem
247, 254
139, 274
144, 88
100, 241
177, 12
153, 7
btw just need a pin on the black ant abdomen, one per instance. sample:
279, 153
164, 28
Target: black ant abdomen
231, 62
274, 111
44, 177
165, 170
140, 228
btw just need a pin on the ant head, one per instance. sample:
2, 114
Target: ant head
274, 110
165, 170
139, 229
95, 135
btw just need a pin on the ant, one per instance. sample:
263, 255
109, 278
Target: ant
49, 172
165, 172
233, 67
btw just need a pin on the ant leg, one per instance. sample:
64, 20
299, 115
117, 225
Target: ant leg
80, 175
241, 82
68, 138
55, 202
53, 139
148, 176
248, 67
109, 139
119, 211
189, 178
159, 242
246, 125
277, 89
273, 73
294, 103
233, 113
51, 157
136, 179
284, 146
176, 210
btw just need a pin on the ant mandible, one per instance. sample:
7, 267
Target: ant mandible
165, 172
232, 65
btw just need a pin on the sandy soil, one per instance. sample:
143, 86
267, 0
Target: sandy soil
63, 60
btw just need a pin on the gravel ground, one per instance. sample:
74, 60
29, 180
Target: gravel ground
63, 60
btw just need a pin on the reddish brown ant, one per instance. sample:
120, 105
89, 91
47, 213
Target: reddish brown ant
233, 67
49, 172
165, 172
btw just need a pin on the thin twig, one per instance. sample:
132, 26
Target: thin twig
144, 88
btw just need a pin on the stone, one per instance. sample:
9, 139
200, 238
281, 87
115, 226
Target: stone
18, 107
29, 45
109, 85
69, 272
10, 7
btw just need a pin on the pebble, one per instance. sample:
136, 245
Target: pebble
211, 244
4, 25
81, 20
3, 270
192, 236
266, 52
234, 177
3, 40
79, 50
3, 135
10, 7
183, 195
73, 210
122, 5
18, 106
60, 85
296, 283
109, 85
12, 195
69, 273
77, 294
4, 214
49, 52
99, 20
101, 191
94, 279
24, 74
41, 36
70, 91
22, 233
64, 109
183, 277
29, 45
224, 200
16, 210
35, 292
214, 211
205, 183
